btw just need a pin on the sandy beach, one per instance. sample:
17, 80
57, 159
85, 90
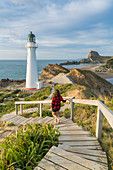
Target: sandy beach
104, 75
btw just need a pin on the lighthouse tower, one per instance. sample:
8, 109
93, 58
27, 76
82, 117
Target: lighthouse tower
32, 82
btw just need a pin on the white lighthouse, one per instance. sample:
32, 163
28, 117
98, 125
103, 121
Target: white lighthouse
32, 82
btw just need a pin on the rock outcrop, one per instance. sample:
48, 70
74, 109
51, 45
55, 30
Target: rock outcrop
52, 70
70, 63
4, 83
91, 80
94, 57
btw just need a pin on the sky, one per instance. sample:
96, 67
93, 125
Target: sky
64, 29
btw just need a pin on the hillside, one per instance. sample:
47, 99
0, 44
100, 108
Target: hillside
89, 79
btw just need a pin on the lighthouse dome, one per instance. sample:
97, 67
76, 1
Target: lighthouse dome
31, 37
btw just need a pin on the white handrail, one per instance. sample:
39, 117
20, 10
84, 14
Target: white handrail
106, 112
102, 110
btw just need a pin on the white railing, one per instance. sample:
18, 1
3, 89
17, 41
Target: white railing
102, 110
40, 103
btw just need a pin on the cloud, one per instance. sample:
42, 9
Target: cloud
66, 24
33, 3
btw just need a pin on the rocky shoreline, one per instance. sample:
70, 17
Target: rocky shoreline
70, 63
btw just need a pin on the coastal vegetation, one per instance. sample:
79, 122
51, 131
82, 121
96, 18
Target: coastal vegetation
26, 149
88, 86
8, 98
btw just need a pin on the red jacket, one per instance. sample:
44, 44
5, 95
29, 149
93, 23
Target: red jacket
56, 102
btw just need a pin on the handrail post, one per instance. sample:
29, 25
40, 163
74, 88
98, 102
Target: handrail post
21, 109
99, 124
40, 109
72, 111
16, 109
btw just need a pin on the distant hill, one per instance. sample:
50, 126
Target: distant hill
89, 79
94, 57
109, 63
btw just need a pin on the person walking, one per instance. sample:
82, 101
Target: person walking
56, 104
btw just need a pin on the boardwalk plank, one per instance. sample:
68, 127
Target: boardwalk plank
64, 162
73, 132
93, 155
89, 147
46, 164
75, 159
25, 121
37, 118
76, 138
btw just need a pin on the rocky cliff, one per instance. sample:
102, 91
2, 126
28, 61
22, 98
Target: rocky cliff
89, 79
52, 70
94, 57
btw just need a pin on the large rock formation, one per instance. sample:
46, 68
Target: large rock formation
91, 80
94, 57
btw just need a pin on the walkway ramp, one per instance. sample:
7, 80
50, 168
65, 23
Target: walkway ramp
77, 149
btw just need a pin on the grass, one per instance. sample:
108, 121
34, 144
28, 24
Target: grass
40, 95
67, 88
26, 149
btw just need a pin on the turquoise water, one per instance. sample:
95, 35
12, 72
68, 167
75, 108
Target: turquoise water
16, 69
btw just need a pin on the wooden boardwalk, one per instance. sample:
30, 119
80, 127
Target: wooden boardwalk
77, 149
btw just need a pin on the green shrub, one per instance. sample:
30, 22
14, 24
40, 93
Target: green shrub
16, 91
23, 94
28, 147
7, 108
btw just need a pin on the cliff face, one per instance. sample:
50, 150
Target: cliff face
94, 57
52, 70
89, 79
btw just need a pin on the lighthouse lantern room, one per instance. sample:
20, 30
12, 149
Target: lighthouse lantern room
32, 82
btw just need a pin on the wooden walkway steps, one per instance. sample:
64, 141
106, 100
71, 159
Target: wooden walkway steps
77, 149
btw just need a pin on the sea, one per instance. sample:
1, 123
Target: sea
16, 69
